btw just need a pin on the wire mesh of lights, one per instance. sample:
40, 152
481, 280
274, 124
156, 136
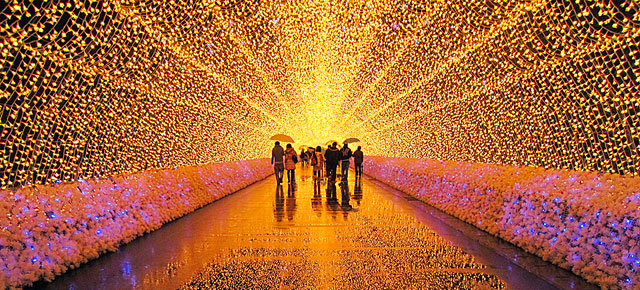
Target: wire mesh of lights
96, 88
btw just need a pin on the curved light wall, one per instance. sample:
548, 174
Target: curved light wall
97, 88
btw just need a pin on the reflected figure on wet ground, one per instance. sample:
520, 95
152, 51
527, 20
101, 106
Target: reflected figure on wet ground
291, 201
331, 191
357, 191
278, 209
332, 200
332, 204
346, 207
285, 207
316, 200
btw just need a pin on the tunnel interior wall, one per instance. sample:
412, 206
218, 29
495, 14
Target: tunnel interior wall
112, 87
99, 89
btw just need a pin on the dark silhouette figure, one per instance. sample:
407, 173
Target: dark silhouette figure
277, 160
345, 157
333, 157
290, 160
358, 158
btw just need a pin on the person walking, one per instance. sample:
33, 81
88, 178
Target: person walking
332, 157
290, 160
277, 160
317, 161
310, 154
303, 157
345, 157
358, 158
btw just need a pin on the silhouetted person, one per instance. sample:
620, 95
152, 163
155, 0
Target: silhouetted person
358, 158
310, 153
345, 157
290, 160
317, 161
304, 158
277, 160
332, 156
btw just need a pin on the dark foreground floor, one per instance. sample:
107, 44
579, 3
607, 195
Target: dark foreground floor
366, 235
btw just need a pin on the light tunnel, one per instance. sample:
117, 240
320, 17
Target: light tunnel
521, 118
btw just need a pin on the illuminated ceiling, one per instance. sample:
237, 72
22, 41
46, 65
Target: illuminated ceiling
105, 87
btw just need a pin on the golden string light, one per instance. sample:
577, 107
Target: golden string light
95, 88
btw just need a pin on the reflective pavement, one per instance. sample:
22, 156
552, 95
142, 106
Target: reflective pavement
364, 236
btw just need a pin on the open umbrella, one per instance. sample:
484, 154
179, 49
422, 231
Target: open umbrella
351, 140
282, 137
331, 142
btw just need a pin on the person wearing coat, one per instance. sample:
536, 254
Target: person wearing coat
345, 157
333, 157
304, 158
290, 163
277, 160
319, 163
358, 158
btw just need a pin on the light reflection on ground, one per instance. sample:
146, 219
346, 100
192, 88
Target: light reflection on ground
362, 236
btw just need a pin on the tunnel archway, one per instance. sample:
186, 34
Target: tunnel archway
113, 90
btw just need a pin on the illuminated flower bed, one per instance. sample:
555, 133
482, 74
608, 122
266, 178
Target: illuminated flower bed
587, 222
46, 230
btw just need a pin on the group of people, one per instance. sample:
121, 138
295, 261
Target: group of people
286, 159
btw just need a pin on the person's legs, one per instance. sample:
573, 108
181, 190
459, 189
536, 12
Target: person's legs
358, 168
275, 172
279, 170
345, 170
293, 175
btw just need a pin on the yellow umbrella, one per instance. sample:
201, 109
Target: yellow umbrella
282, 137
351, 140
331, 142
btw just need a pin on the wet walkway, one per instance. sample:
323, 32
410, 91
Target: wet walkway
364, 236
